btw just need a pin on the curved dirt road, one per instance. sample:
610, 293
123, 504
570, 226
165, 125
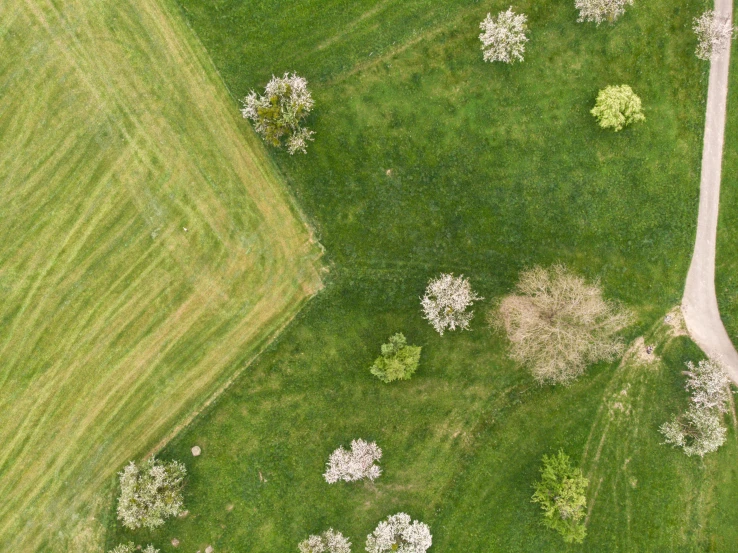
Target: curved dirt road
699, 303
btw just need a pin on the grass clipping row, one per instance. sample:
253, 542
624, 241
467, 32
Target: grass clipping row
558, 324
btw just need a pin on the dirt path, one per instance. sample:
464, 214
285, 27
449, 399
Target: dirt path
699, 303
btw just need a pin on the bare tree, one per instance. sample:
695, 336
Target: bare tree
713, 33
601, 10
557, 324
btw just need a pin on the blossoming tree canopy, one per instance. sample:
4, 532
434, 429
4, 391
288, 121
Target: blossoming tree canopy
446, 301
150, 494
503, 38
278, 113
599, 11
713, 34
356, 464
399, 535
130, 547
329, 541
700, 429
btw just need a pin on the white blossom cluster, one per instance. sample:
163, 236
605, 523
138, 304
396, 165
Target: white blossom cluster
398, 535
131, 548
150, 494
329, 541
124, 548
503, 39
601, 10
713, 34
353, 465
445, 302
278, 112
700, 429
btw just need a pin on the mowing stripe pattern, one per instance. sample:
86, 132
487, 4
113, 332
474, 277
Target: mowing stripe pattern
149, 251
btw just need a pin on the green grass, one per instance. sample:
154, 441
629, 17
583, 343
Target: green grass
116, 135
493, 168
427, 160
462, 444
726, 265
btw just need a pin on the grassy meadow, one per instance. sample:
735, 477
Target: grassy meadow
726, 264
426, 159
149, 251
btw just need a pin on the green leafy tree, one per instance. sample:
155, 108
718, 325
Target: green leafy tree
617, 107
561, 492
398, 360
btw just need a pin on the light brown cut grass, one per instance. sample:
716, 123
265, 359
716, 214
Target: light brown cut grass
116, 324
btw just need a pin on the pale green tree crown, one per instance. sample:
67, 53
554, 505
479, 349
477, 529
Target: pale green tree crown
398, 360
561, 493
617, 107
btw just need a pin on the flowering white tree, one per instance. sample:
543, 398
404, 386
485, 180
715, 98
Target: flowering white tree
353, 465
713, 34
446, 300
277, 113
398, 535
131, 548
150, 494
329, 541
503, 39
601, 10
700, 430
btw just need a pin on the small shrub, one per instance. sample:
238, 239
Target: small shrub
561, 493
398, 535
557, 324
446, 301
353, 465
277, 113
601, 10
398, 360
329, 541
700, 430
151, 494
713, 34
617, 107
504, 38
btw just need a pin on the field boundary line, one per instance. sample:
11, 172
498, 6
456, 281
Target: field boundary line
187, 420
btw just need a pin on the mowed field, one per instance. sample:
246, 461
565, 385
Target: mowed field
426, 159
149, 250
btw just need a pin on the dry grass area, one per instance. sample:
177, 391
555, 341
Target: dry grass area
149, 251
